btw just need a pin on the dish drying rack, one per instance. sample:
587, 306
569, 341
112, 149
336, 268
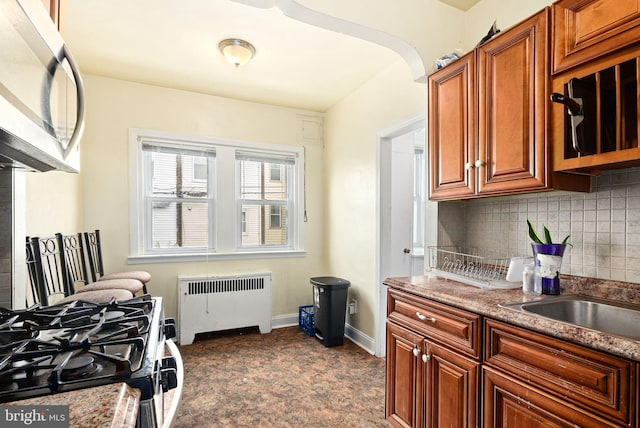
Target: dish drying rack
478, 267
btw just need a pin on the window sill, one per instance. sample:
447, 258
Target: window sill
201, 257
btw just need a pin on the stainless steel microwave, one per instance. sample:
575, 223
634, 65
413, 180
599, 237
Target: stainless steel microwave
41, 92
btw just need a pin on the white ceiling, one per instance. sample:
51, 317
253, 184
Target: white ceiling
174, 44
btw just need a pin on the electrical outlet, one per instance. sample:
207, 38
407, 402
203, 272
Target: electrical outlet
353, 307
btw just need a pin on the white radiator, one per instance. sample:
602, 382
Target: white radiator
223, 302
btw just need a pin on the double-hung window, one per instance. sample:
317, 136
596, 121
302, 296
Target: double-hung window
178, 197
195, 197
265, 198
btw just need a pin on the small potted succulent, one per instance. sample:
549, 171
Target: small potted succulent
548, 258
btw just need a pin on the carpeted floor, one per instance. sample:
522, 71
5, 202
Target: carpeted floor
281, 379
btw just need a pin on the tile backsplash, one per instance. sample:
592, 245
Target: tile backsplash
604, 225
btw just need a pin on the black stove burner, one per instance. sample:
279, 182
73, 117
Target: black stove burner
79, 367
78, 345
108, 316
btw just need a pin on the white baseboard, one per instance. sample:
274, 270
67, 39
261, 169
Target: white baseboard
359, 338
280, 321
356, 336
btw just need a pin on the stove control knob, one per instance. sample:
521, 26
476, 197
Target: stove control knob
168, 378
169, 328
169, 363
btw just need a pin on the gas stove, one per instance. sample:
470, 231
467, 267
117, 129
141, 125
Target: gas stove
60, 348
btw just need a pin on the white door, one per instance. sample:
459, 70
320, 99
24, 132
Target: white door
407, 172
400, 243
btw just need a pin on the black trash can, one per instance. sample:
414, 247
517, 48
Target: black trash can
330, 305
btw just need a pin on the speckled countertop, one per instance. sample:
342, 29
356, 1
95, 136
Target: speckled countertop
113, 405
486, 302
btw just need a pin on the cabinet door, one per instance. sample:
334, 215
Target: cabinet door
512, 108
587, 29
452, 130
583, 377
451, 383
511, 403
404, 376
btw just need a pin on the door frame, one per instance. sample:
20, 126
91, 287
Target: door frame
383, 162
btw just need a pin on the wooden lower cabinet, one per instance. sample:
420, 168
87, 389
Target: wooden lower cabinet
451, 384
520, 379
595, 381
404, 376
509, 402
428, 385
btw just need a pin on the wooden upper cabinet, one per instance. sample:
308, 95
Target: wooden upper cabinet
487, 116
587, 29
452, 129
512, 92
596, 61
607, 133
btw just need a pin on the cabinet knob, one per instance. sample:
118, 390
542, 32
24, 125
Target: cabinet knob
426, 357
423, 317
416, 351
479, 163
468, 166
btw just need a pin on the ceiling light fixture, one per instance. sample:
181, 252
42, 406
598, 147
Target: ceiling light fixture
237, 51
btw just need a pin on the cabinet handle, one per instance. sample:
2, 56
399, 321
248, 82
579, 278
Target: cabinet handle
416, 351
479, 163
426, 357
468, 166
423, 317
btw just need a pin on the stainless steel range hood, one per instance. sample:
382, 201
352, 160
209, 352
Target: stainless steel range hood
41, 92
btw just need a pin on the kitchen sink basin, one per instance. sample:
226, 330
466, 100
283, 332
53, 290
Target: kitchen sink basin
608, 316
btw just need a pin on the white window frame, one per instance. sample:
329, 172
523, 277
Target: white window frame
273, 169
278, 215
419, 199
148, 200
194, 178
243, 222
227, 215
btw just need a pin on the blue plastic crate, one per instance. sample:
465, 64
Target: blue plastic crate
305, 319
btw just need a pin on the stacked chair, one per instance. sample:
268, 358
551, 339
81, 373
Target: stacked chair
33, 291
77, 270
94, 253
50, 276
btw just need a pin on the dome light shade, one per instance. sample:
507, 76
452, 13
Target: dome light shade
237, 51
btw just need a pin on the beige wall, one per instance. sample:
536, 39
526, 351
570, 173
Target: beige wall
53, 203
479, 18
351, 146
115, 106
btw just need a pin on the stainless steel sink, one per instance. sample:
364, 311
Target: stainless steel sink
618, 318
